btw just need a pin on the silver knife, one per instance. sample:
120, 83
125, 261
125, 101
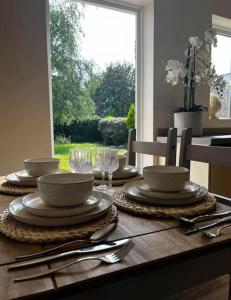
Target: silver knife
198, 228
86, 250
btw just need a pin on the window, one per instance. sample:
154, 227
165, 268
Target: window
221, 58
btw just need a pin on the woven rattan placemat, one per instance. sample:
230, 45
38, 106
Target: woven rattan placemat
34, 234
7, 188
116, 182
137, 208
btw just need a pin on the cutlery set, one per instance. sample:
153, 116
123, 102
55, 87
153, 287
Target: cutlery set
124, 246
191, 226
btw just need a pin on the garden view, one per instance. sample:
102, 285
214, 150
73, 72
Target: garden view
91, 106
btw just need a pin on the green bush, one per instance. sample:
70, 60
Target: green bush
83, 131
113, 131
62, 139
130, 120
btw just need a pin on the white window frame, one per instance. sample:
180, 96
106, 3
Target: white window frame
223, 27
138, 11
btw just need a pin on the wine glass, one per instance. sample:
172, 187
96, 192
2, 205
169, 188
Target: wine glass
72, 159
111, 165
100, 164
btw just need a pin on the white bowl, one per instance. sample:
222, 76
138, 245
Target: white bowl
166, 178
122, 162
67, 189
41, 166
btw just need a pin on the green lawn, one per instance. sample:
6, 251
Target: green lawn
62, 152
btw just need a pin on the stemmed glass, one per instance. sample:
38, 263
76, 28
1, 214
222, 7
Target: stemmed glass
111, 165
100, 164
72, 161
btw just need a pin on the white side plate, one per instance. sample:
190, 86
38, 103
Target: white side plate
19, 212
189, 191
14, 179
35, 205
127, 172
132, 192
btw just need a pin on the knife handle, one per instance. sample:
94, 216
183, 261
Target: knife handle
37, 254
35, 261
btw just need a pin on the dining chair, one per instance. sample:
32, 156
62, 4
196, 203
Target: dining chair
167, 150
201, 153
207, 154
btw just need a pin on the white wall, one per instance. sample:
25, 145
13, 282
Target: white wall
25, 121
174, 22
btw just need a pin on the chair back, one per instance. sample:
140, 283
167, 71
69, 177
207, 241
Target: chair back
208, 154
167, 150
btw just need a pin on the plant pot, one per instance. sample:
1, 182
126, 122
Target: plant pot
191, 119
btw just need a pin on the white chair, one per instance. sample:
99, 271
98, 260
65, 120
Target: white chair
167, 150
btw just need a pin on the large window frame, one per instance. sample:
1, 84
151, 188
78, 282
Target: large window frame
137, 11
223, 28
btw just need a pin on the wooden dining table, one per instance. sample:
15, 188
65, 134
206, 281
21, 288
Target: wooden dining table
163, 262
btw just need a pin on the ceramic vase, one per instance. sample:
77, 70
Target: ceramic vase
190, 119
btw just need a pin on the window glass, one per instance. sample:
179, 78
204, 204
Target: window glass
221, 58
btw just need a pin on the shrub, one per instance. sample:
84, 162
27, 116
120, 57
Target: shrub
113, 131
62, 139
83, 131
130, 120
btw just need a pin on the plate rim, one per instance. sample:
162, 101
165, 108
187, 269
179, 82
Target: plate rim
57, 208
39, 219
162, 202
167, 195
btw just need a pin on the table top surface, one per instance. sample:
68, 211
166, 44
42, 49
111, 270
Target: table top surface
156, 240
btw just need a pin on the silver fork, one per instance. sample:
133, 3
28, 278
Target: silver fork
109, 259
215, 233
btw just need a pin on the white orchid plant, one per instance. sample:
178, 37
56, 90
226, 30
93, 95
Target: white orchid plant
197, 70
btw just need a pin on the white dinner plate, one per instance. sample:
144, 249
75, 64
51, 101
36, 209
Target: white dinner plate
19, 213
23, 176
189, 191
127, 172
14, 179
132, 192
35, 205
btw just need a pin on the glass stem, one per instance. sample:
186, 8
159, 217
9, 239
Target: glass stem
103, 177
110, 181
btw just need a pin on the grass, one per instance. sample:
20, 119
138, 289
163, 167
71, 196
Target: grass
62, 152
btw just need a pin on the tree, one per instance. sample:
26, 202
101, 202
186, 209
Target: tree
69, 71
130, 120
116, 92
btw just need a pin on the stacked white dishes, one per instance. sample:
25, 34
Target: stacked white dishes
123, 172
34, 168
165, 185
63, 199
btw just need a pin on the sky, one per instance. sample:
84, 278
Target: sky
221, 55
109, 36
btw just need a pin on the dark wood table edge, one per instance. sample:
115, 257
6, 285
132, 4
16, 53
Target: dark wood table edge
152, 277
94, 284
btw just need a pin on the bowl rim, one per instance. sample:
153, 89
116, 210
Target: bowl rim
157, 170
36, 160
43, 178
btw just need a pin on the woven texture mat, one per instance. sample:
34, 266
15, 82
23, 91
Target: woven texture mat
33, 234
136, 208
116, 182
10, 189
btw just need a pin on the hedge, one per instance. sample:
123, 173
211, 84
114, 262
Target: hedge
77, 132
109, 131
113, 131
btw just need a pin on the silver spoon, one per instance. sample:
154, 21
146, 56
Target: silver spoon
97, 237
215, 233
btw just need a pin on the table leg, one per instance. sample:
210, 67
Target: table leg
229, 286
